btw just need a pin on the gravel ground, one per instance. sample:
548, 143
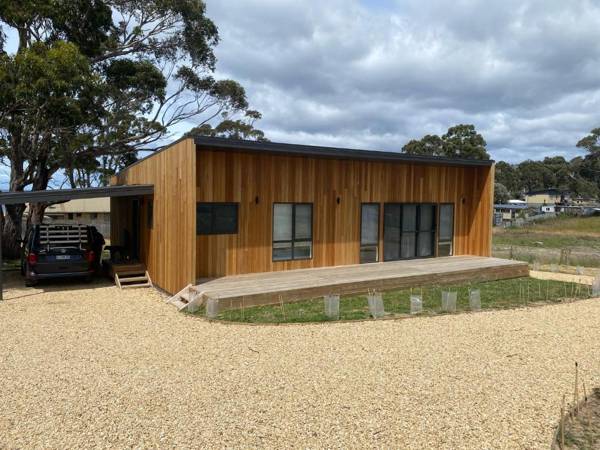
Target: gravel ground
92, 366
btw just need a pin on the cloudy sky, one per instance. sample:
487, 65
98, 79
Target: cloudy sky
376, 73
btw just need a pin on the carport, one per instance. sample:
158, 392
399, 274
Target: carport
64, 195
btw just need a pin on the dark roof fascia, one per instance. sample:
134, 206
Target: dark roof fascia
333, 152
62, 195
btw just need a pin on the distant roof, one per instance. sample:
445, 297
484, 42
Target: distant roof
332, 152
510, 206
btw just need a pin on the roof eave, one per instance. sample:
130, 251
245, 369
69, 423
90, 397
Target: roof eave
333, 152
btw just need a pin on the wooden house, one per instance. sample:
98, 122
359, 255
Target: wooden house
224, 207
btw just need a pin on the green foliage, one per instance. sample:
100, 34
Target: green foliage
87, 87
233, 129
501, 194
460, 141
507, 175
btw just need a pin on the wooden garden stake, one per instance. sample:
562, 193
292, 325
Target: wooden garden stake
576, 392
282, 308
562, 423
547, 290
243, 297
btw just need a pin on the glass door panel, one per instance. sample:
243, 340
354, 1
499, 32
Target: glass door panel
369, 233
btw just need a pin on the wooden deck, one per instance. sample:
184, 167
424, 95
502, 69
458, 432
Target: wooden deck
291, 285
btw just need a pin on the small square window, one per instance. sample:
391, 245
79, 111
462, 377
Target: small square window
216, 218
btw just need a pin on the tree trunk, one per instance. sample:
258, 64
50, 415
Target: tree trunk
36, 213
12, 231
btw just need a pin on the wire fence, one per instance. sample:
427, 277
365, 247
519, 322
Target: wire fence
379, 303
579, 418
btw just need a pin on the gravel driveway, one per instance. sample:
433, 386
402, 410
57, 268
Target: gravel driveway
92, 366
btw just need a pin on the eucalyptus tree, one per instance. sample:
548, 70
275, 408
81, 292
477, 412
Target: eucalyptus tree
460, 141
92, 82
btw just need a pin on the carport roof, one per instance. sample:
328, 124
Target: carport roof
63, 195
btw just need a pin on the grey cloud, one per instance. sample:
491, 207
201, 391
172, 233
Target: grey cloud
376, 73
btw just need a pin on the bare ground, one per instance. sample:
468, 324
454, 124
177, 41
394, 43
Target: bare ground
92, 366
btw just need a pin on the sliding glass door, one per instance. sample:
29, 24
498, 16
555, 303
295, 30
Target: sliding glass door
409, 231
369, 233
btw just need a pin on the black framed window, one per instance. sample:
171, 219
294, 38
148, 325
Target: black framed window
369, 232
216, 218
446, 230
409, 230
292, 231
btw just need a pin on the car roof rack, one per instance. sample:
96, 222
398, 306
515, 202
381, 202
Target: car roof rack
63, 234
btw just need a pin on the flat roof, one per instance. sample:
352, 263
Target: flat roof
283, 149
510, 206
63, 195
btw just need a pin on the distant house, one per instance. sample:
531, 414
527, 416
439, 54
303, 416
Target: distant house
544, 197
507, 213
548, 209
92, 211
584, 201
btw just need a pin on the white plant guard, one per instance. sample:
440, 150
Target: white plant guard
475, 299
416, 304
449, 301
212, 307
332, 306
596, 287
375, 300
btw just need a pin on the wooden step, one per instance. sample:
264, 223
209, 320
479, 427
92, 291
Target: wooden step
134, 278
133, 281
126, 286
188, 298
179, 304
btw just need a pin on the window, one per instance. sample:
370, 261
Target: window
292, 231
369, 233
408, 231
150, 214
70, 216
426, 237
93, 216
446, 230
216, 218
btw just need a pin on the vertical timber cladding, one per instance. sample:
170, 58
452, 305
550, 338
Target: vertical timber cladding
167, 248
257, 180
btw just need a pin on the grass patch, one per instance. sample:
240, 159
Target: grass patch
499, 294
568, 224
529, 238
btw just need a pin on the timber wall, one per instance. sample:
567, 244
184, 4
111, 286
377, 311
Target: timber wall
167, 248
244, 177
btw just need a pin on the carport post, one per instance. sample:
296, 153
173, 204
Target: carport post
1, 268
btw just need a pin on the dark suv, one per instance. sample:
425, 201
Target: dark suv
60, 251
